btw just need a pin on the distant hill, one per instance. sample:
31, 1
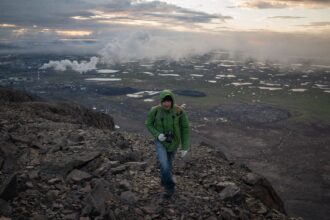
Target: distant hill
63, 161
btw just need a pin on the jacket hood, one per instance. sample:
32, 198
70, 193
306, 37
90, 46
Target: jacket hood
165, 93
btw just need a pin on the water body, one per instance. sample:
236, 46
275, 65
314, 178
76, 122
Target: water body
190, 93
114, 91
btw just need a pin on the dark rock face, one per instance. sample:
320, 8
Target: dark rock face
59, 169
68, 112
60, 163
264, 191
8, 189
9, 95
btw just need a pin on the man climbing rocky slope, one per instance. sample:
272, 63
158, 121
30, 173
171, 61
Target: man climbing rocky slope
62, 161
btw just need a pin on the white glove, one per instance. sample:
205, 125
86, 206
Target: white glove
161, 137
184, 153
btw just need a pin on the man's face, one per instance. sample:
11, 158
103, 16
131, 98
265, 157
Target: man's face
167, 104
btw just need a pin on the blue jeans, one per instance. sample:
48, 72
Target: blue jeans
165, 160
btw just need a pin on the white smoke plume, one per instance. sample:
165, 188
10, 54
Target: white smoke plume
64, 65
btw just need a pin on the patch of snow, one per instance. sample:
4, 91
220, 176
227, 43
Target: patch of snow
146, 65
298, 90
107, 71
227, 65
134, 95
168, 74
149, 100
269, 88
211, 81
225, 76
198, 67
224, 120
269, 84
320, 85
103, 79
321, 66
142, 94
197, 75
241, 83
149, 73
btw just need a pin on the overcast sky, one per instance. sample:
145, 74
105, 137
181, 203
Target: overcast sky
293, 28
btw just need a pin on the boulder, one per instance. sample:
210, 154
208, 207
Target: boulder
251, 178
8, 189
104, 168
227, 214
128, 197
264, 191
78, 176
137, 165
124, 184
64, 163
231, 193
119, 169
1, 162
96, 200
5, 208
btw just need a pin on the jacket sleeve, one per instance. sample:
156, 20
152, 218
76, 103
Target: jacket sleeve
149, 123
184, 126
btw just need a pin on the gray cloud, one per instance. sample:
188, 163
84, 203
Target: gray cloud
117, 42
278, 4
285, 17
52, 13
37, 12
317, 24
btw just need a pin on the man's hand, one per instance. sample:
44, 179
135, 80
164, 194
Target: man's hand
161, 137
183, 153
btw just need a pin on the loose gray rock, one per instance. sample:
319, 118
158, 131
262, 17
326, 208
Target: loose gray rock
118, 170
251, 178
124, 184
229, 192
96, 200
5, 208
78, 176
128, 197
137, 165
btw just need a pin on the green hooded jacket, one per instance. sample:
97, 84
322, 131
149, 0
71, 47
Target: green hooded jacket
174, 120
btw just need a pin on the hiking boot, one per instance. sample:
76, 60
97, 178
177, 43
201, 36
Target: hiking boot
168, 194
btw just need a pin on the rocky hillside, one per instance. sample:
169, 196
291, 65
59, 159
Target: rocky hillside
62, 161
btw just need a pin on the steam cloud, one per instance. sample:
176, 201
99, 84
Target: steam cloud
139, 45
142, 45
80, 67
